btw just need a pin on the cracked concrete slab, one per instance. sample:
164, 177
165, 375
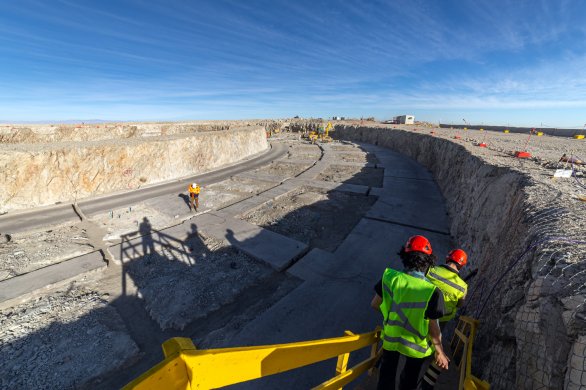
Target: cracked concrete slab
274, 249
410, 211
408, 189
313, 265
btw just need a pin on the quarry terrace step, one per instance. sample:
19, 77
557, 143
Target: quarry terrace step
335, 186
261, 176
295, 161
342, 163
274, 249
48, 277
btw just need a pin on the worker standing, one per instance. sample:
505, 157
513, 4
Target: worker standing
410, 306
446, 277
321, 131
194, 191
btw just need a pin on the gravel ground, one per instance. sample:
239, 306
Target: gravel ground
283, 169
307, 151
358, 157
241, 185
345, 147
545, 149
321, 220
29, 251
546, 152
128, 219
364, 176
61, 341
205, 274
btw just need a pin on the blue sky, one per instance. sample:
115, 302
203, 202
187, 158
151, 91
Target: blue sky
499, 62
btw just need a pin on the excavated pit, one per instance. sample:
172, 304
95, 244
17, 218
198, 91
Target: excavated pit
319, 219
519, 225
532, 326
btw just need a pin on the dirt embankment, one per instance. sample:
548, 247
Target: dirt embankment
525, 233
37, 174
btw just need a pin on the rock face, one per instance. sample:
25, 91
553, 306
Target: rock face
36, 174
526, 236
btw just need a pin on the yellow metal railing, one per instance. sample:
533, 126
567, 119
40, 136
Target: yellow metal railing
185, 367
462, 344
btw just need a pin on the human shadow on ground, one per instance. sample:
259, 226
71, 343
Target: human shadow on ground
186, 199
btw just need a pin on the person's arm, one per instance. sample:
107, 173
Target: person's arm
441, 359
462, 300
435, 310
378, 293
376, 302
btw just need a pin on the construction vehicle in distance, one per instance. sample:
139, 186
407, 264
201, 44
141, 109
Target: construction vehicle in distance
321, 132
186, 367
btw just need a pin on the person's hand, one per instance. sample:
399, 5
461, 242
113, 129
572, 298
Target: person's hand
441, 360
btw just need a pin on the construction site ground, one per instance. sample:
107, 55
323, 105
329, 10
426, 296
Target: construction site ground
289, 251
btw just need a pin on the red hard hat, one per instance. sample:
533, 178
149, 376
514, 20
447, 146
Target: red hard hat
418, 244
458, 256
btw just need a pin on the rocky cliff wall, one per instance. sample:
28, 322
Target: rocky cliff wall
526, 236
34, 175
16, 134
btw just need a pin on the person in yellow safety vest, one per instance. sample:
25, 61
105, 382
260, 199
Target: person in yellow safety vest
410, 306
194, 191
446, 277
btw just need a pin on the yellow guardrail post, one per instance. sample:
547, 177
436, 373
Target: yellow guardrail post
375, 353
342, 363
462, 345
177, 345
171, 373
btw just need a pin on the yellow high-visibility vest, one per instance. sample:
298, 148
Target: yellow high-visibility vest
453, 287
405, 299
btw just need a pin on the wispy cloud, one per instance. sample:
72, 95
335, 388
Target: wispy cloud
175, 58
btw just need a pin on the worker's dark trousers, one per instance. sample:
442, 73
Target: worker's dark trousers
388, 372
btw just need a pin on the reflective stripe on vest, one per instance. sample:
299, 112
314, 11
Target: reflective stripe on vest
397, 308
446, 281
405, 299
406, 343
452, 286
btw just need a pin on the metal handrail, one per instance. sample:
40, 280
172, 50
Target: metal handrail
185, 367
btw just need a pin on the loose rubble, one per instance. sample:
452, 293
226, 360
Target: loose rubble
62, 340
28, 251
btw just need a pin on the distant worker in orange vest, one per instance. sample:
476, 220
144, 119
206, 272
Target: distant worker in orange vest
194, 190
446, 277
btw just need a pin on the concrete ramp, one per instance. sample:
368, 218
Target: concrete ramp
338, 287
